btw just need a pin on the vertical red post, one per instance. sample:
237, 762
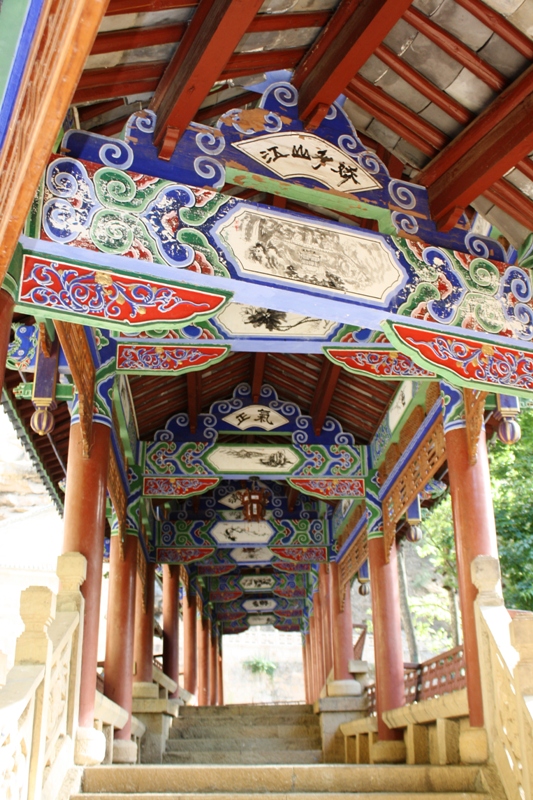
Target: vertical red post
305, 662
189, 643
220, 681
313, 658
324, 591
171, 620
341, 626
321, 669
118, 669
475, 534
202, 638
6, 316
143, 643
84, 526
213, 671
387, 634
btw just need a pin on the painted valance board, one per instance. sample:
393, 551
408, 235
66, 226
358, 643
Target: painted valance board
268, 148
124, 265
230, 587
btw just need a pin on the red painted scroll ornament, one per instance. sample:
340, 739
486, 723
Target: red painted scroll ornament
381, 364
177, 487
330, 487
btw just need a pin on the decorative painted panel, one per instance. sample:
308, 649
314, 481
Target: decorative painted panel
380, 363
234, 533
145, 359
330, 488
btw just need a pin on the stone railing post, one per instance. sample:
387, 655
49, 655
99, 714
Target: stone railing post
71, 571
37, 609
522, 641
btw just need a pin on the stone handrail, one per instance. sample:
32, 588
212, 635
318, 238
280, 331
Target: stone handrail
39, 702
505, 642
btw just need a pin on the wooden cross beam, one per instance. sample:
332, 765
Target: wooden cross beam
206, 47
323, 396
258, 373
491, 145
194, 397
354, 32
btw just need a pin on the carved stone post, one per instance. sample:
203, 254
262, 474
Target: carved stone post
522, 640
37, 609
72, 571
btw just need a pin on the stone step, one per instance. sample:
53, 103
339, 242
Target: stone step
243, 757
290, 796
183, 729
282, 779
248, 709
243, 743
245, 720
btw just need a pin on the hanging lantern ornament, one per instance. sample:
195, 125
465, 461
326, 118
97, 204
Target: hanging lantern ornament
509, 431
414, 533
44, 383
364, 589
253, 502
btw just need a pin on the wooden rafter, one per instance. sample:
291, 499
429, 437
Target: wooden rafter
501, 26
456, 49
208, 44
217, 109
497, 140
137, 6
339, 57
512, 201
194, 398
258, 375
323, 396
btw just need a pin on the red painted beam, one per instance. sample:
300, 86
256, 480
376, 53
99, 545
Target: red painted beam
112, 127
422, 85
498, 139
253, 63
324, 392
500, 26
362, 32
89, 112
114, 90
512, 201
284, 22
217, 109
126, 79
456, 49
136, 6
207, 46
258, 375
396, 124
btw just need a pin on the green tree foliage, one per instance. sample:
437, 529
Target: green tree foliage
512, 492
258, 666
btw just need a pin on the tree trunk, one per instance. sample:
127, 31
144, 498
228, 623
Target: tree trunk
454, 614
407, 620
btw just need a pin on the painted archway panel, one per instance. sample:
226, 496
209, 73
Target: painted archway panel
468, 361
235, 244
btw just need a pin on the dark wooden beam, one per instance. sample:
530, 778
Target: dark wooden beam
342, 56
253, 63
501, 26
512, 201
217, 109
112, 127
194, 398
102, 84
208, 44
497, 140
258, 374
292, 498
456, 49
94, 110
324, 391
137, 6
422, 85
114, 90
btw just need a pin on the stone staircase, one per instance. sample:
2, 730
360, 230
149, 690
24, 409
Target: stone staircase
249, 752
283, 782
245, 734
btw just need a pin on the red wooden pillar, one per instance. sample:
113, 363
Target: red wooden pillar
321, 669
324, 590
475, 534
143, 643
341, 626
84, 526
213, 670
171, 621
189, 643
118, 669
202, 637
220, 680
313, 658
305, 662
6, 317
387, 634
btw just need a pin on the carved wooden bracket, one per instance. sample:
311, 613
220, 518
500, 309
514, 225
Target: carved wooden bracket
423, 465
76, 348
474, 411
118, 496
350, 563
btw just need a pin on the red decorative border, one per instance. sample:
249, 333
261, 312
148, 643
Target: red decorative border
330, 487
176, 487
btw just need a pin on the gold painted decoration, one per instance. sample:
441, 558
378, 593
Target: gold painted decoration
474, 415
76, 348
423, 465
